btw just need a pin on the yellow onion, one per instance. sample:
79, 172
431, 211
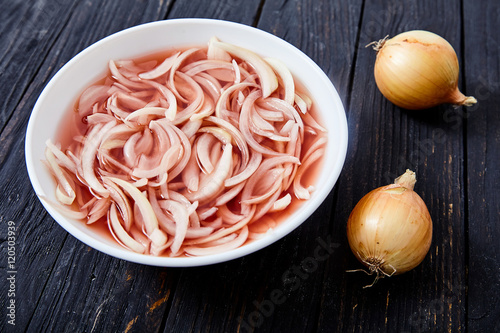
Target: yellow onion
418, 70
390, 228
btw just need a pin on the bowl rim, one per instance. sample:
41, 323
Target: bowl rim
284, 229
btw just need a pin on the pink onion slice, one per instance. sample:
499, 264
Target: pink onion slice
161, 69
281, 203
216, 53
300, 191
246, 110
173, 71
181, 218
268, 79
167, 161
229, 194
223, 100
248, 171
68, 196
143, 204
209, 84
286, 77
194, 105
65, 210
99, 209
122, 79
224, 231
156, 151
236, 136
121, 201
191, 174
233, 244
92, 95
171, 111
203, 144
212, 184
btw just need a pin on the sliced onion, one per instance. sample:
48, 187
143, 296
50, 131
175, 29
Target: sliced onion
300, 191
267, 78
167, 161
203, 144
120, 234
216, 53
99, 209
92, 95
286, 77
62, 159
281, 203
147, 212
249, 170
181, 218
171, 111
161, 69
237, 242
122, 79
89, 152
68, 196
194, 105
229, 194
236, 136
177, 63
224, 231
146, 111
191, 174
222, 102
245, 125
212, 184
209, 84
121, 201
65, 210
207, 65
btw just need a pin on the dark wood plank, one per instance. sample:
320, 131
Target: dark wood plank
285, 294
384, 141
482, 122
41, 242
239, 11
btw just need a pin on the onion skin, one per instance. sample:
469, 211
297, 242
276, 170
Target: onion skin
418, 70
390, 228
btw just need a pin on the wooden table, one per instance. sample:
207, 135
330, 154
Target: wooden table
62, 285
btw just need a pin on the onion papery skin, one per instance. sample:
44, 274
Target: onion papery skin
390, 230
418, 70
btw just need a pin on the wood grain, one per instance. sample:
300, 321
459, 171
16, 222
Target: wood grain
384, 141
298, 284
482, 123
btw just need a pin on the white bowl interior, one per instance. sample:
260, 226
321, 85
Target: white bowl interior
89, 65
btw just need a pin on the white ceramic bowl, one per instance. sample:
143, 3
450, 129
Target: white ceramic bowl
91, 64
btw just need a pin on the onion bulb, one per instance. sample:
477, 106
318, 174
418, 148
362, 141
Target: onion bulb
390, 228
418, 70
